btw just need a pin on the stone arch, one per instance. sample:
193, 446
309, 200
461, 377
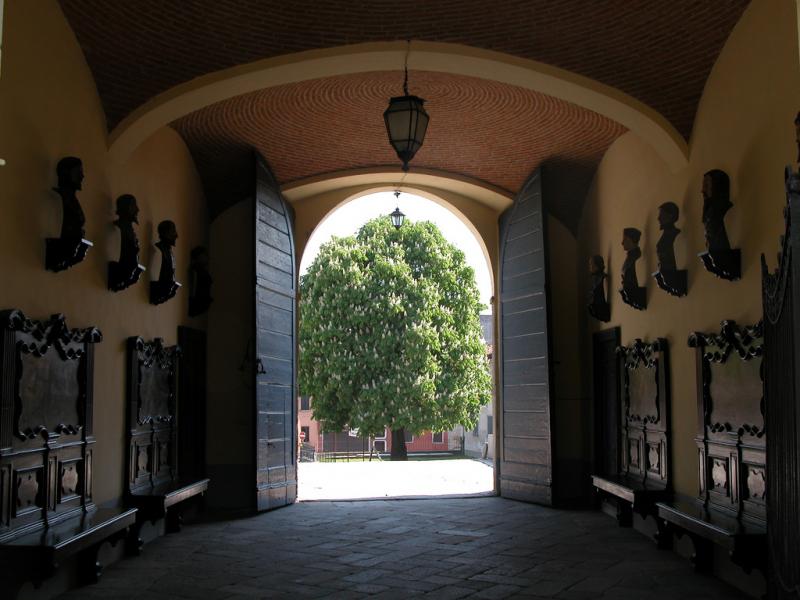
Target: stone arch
477, 206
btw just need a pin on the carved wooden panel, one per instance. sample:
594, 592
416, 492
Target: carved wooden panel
45, 421
731, 418
644, 369
641, 381
643, 394
49, 396
152, 378
29, 490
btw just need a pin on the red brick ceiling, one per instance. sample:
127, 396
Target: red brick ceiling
486, 130
659, 52
655, 50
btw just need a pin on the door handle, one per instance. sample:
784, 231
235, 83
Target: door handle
260, 370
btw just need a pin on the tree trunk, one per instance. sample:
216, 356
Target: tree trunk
399, 444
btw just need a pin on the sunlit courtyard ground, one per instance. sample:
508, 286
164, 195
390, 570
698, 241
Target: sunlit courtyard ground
387, 479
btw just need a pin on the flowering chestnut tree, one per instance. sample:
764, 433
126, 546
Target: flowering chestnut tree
390, 334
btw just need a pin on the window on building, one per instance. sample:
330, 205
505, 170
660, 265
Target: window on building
306, 431
438, 437
305, 402
475, 430
489, 424
409, 437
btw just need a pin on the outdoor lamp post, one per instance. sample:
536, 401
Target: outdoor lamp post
406, 122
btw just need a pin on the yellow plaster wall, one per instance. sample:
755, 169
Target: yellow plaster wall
744, 126
49, 108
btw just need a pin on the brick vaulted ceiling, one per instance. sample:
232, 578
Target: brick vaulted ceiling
490, 131
658, 52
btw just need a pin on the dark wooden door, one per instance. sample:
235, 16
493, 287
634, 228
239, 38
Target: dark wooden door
781, 371
191, 403
526, 461
606, 401
275, 389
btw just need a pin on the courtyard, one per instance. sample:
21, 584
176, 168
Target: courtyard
387, 479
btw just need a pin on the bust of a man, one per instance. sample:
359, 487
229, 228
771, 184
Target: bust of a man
667, 217
127, 215
716, 203
69, 171
167, 236
596, 300
630, 243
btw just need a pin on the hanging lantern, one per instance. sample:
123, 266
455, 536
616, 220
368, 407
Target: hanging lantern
406, 122
397, 218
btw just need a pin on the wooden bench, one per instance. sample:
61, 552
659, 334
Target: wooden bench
47, 513
644, 433
730, 511
154, 486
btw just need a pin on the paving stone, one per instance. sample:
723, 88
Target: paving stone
454, 548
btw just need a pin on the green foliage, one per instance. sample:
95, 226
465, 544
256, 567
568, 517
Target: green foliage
390, 333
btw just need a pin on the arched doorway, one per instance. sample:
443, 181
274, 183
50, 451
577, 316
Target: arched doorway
346, 465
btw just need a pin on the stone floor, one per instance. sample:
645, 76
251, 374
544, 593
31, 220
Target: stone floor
387, 479
445, 548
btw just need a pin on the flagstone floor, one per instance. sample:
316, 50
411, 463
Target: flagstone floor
446, 548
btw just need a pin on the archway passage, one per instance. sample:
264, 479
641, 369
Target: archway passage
454, 461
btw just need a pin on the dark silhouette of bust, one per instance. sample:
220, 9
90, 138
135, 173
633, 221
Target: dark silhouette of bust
70, 179
667, 217
70, 247
200, 282
630, 243
596, 301
167, 236
126, 271
128, 214
165, 287
631, 293
716, 203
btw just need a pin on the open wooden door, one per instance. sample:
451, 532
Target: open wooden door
526, 458
607, 415
275, 389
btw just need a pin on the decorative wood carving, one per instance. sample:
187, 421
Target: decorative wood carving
48, 397
756, 483
731, 433
69, 479
719, 258
645, 406
631, 293
732, 392
45, 421
70, 248
668, 277
165, 287
127, 270
28, 490
153, 486
597, 304
155, 397
644, 478
719, 474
